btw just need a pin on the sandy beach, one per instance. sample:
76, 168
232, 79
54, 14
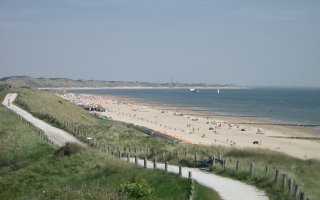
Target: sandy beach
204, 128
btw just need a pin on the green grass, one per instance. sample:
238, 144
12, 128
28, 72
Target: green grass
30, 170
88, 169
35, 101
203, 193
304, 172
17, 142
3, 91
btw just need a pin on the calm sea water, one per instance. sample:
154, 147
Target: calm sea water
299, 105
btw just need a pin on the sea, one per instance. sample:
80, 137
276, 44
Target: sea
285, 105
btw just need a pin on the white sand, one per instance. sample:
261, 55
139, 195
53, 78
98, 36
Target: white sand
212, 130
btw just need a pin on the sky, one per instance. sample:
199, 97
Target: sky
247, 42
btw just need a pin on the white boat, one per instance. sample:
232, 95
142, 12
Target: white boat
193, 90
218, 91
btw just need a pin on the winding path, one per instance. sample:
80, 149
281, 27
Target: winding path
228, 189
56, 135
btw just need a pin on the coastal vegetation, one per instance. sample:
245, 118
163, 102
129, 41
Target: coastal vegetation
117, 135
31, 168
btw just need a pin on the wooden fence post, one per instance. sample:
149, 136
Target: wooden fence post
145, 162
191, 186
251, 169
195, 159
302, 196
284, 180
190, 176
296, 191
128, 157
180, 170
136, 159
237, 165
277, 176
166, 166
191, 190
290, 185
267, 171
154, 163
214, 161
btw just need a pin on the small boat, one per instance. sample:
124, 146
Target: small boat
218, 91
193, 90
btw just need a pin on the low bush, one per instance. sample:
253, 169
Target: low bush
69, 149
136, 188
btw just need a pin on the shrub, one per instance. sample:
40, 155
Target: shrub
68, 149
136, 188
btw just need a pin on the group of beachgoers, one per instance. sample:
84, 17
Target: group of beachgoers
187, 125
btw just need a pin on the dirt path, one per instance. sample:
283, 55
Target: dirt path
57, 136
228, 189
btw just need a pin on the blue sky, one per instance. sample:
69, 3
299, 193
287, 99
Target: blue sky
270, 43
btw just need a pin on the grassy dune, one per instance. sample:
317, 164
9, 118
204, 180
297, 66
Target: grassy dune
17, 144
61, 113
40, 102
30, 170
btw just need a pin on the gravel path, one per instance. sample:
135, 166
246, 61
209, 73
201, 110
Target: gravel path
228, 189
57, 136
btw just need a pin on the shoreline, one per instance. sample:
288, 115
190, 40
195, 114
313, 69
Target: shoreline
142, 87
207, 129
232, 118
220, 114
264, 119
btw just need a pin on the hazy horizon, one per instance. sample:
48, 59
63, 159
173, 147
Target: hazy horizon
247, 43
